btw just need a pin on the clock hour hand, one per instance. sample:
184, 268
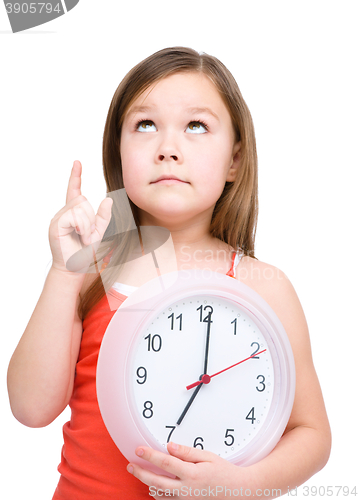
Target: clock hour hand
205, 379
189, 403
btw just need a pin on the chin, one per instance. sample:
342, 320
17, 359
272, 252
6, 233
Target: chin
164, 207
165, 218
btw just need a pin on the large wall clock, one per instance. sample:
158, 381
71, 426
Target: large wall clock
204, 362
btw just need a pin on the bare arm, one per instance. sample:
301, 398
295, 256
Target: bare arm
305, 446
42, 369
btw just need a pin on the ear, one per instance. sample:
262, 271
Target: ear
236, 160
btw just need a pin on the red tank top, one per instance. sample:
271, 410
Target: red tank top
92, 467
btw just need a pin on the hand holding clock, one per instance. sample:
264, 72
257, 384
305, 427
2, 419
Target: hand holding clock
192, 468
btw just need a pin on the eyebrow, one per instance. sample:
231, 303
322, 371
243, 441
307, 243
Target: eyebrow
146, 109
140, 109
203, 110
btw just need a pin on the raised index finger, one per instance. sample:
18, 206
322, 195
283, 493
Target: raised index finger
74, 187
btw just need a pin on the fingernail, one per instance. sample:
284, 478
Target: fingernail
93, 228
130, 469
139, 452
77, 229
174, 446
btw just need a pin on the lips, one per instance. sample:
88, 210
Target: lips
164, 178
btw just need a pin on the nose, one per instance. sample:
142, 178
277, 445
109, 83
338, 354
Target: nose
168, 150
163, 157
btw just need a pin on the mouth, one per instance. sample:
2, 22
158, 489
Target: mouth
169, 179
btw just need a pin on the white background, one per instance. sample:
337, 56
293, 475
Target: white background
296, 64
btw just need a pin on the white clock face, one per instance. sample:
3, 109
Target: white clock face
183, 327
197, 335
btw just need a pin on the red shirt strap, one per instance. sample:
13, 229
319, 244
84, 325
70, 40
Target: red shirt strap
231, 271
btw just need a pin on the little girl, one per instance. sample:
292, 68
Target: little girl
179, 138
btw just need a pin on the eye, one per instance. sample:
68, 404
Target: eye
146, 126
197, 128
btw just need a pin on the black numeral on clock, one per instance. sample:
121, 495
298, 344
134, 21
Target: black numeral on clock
141, 374
207, 319
154, 342
172, 427
172, 316
251, 416
229, 437
147, 412
261, 383
198, 443
252, 344
234, 323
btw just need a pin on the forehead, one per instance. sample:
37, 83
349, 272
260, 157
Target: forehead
187, 90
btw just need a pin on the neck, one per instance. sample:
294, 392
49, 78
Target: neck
193, 244
190, 236
196, 248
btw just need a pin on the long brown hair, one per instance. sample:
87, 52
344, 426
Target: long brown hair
234, 218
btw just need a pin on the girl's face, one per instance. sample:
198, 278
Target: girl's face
178, 149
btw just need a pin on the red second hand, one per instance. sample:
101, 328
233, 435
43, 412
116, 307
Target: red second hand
205, 379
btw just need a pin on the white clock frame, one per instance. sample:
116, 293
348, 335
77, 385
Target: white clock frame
114, 392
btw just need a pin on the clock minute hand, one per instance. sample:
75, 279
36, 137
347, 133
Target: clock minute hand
208, 319
205, 379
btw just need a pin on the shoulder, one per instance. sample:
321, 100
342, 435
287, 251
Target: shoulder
275, 288
262, 277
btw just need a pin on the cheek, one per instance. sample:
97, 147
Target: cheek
211, 163
130, 179
133, 165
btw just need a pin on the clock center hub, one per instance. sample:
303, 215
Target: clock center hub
205, 379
